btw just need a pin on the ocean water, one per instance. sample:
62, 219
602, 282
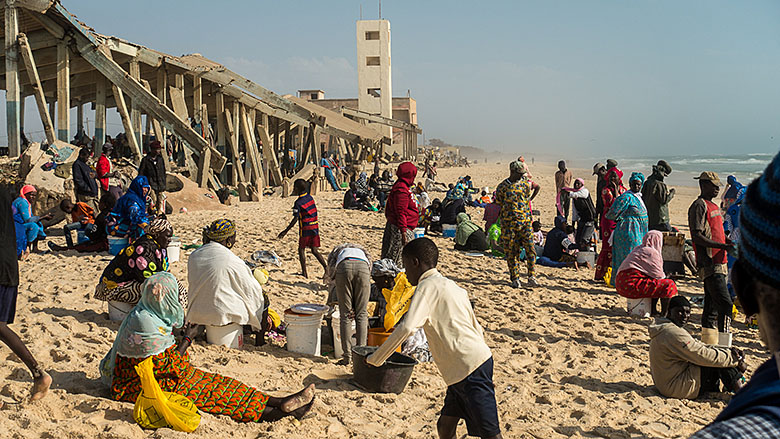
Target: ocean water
745, 167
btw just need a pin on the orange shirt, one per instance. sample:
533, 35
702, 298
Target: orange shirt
82, 213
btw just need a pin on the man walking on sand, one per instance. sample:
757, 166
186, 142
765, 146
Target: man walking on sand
711, 245
563, 178
9, 288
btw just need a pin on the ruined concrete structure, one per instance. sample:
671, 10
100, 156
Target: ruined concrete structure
224, 120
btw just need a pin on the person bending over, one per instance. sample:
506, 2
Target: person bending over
468, 235
456, 342
641, 275
685, 368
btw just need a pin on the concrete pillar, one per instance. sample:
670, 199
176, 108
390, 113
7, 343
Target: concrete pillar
63, 92
12, 95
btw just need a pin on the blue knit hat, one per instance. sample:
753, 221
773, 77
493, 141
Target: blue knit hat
759, 224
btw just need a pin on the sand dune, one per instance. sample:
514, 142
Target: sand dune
569, 362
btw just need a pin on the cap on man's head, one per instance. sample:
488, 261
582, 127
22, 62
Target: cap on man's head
708, 176
597, 167
612, 163
679, 301
664, 166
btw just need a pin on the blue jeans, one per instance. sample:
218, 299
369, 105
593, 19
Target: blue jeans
73, 226
547, 262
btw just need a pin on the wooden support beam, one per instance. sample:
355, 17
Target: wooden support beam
162, 95
12, 87
380, 119
197, 99
251, 150
100, 113
222, 140
204, 171
232, 138
79, 119
40, 99
124, 114
274, 172
63, 92
135, 112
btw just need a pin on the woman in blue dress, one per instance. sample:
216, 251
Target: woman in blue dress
630, 213
23, 216
129, 217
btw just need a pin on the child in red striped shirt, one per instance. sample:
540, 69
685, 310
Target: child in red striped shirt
305, 214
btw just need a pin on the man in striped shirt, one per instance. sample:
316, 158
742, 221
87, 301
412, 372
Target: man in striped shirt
305, 214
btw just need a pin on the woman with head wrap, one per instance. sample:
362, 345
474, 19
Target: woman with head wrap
612, 190
122, 279
557, 246
223, 290
733, 191
468, 235
128, 218
148, 332
22, 209
630, 214
642, 274
401, 212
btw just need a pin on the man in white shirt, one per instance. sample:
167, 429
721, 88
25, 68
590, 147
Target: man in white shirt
456, 342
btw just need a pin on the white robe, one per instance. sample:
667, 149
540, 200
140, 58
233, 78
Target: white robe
222, 289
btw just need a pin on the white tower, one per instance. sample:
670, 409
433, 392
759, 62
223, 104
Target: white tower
375, 87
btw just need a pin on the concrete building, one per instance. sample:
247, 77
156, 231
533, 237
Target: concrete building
375, 86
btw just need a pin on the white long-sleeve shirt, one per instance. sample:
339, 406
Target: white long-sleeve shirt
455, 338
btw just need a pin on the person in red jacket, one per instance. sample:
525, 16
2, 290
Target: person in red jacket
401, 213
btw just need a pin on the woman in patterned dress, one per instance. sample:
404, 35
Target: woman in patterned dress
630, 214
148, 332
609, 194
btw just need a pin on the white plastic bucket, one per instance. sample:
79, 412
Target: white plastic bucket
117, 311
303, 333
336, 326
589, 257
639, 307
117, 244
231, 335
419, 232
174, 250
448, 230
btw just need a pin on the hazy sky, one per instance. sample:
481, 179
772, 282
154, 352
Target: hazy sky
623, 77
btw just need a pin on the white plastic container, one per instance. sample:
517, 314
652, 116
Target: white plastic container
448, 230
174, 250
639, 307
419, 232
231, 335
336, 326
117, 244
303, 333
589, 257
117, 311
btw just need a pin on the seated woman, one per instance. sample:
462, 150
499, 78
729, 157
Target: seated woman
450, 210
351, 200
642, 274
148, 332
23, 215
421, 197
129, 216
492, 209
557, 246
223, 289
431, 217
124, 276
469, 236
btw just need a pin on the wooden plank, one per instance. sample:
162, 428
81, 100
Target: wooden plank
178, 102
162, 94
40, 99
233, 142
197, 99
380, 119
135, 113
124, 114
63, 92
204, 170
251, 150
268, 153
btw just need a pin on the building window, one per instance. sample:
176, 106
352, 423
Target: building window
314, 96
372, 60
372, 35
374, 92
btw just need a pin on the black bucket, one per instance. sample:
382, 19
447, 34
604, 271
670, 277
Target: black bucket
391, 377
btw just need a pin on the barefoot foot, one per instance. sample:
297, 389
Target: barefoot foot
300, 399
40, 386
302, 412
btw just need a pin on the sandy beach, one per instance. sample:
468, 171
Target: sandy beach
569, 362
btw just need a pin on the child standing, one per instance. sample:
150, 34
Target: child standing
456, 342
305, 214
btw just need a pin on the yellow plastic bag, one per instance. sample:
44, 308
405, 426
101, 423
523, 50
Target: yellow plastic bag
608, 277
398, 300
157, 409
275, 319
